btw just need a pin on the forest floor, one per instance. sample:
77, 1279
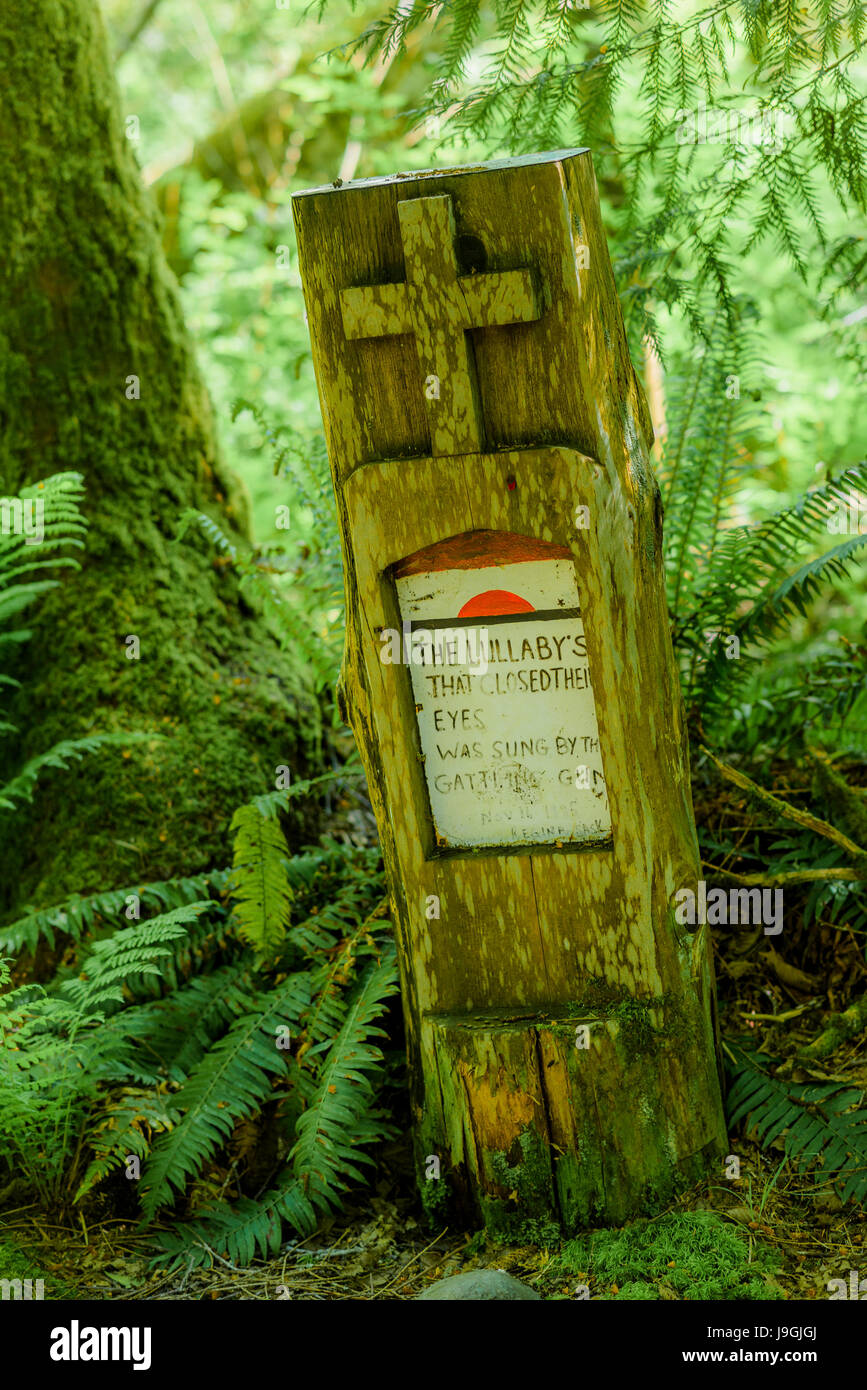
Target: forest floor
794, 1232
792, 1235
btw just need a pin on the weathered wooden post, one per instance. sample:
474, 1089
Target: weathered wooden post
509, 677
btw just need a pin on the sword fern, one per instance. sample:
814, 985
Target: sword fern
156, 1041
822, 1125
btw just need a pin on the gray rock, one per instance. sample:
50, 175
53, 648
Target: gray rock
479, 1284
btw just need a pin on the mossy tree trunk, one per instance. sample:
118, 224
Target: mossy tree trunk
86, 304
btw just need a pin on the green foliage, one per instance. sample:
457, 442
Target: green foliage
530, 1178
728, 142
129, 1119
54, 1054
77, 916
304, 616
22, 786
309, 575
114, 964
738, 584
232, 1081
258, 1002
822, 1125
341, 1113
18, 1262
269, 804
260, 884
340, 1116
688, 179
848, 802
35, 546
23, 553
681, 1255
800, 702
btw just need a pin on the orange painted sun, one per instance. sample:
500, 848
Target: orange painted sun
493, 603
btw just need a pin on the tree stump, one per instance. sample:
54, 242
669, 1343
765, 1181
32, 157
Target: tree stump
510, 680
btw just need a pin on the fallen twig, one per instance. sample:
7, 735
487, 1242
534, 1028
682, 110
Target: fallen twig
796, 876
784, 808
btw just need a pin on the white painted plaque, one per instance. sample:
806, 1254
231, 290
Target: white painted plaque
506, 714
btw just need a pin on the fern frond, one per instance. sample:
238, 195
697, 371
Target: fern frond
77, 916
23, 786
823, 1125
232, 1081
749, 589
541, 73
322, 1020
260, 884
132, 951
61, 525
126, 1126
270, 804
236, 1232
169, 1036
341, 1115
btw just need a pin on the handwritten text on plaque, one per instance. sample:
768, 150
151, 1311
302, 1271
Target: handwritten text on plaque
505, 708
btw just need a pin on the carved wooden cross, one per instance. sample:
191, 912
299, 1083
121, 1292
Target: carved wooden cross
440, 306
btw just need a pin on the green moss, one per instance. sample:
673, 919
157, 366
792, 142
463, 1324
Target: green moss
848, 804
476, 1244
434, 1194
636, 1033
683, 1255
636, 1290
221, 727
524, 1215
17, 1263
508, 1228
